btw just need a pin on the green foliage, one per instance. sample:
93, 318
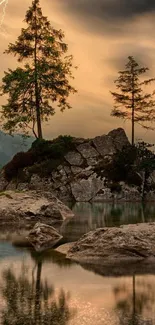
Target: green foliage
45, 168
55, 149
115, 187
43, 157
19, 161
44, 78
131, 102
123, 161
145, 157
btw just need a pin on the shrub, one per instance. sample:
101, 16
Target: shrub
55, 149
115, 187
20, 160
45, 168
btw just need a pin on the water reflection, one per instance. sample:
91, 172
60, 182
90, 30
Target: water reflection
133, 304
91, 216
31, 301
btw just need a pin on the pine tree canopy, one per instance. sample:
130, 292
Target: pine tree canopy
43, 80
131, 100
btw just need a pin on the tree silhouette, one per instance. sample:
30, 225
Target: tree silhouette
132, 103
44, 79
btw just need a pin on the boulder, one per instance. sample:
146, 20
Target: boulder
3, 181
43, 237
85, 189
119, 138
104, 144
32, 206
74, 158
76, 170
104, 246
87, 151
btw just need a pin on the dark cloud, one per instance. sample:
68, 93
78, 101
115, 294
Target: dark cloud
107, 13
114, 9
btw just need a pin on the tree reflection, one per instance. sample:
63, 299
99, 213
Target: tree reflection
29, 301
131, 304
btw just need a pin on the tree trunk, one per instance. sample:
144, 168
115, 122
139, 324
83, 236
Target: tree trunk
133, 127
133, 109
37, 99
143, 185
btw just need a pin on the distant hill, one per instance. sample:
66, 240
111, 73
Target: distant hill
10, 145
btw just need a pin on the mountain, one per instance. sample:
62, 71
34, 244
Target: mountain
10, 145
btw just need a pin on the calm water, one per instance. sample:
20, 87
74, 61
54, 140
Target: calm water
49, 289
91, 216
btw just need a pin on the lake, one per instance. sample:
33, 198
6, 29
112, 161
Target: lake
41, 289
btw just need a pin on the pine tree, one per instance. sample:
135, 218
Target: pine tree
43, 80
132, 103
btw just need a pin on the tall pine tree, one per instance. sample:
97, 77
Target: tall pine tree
42, 81
131, 102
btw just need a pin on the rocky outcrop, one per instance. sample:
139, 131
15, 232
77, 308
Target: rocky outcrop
105, 246
32, 206
86, 189
43, 237
119, 138
82, 174
104, 145
74, 158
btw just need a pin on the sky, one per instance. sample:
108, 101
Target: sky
100, 34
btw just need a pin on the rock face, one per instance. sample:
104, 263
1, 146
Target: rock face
85, 189
74, 158
104, 145
81, 175
43, 237
131, 243
32, 206
119, 137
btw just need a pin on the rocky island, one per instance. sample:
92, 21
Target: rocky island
82, 170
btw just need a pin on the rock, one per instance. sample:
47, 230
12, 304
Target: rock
74, 158
38, 183
104, 145
3, 182
93, 161
119, 137
76, 170
129, 243
151, 179
21, 187
12, 186
87, 151
35, 205
85, 189
65, 193
64, 248
43, 237
78, 141
67, 170
73, 176
85, 173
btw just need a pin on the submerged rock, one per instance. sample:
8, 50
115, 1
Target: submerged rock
129, 243
43, 237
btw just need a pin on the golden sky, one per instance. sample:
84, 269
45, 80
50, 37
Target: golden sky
101, 34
